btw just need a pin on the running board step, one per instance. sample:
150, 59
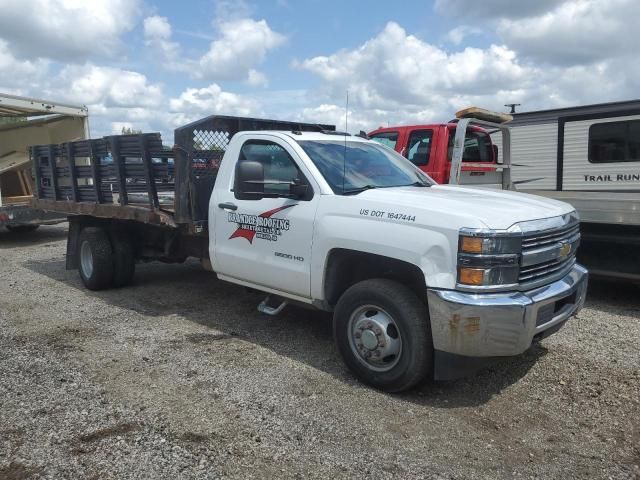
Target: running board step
267, 309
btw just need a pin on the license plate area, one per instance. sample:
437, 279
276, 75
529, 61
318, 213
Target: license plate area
549, 311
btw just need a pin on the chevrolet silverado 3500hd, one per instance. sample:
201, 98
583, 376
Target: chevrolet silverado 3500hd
422, 279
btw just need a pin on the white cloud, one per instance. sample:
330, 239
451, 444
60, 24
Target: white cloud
458, 34
67, 30
335, 115
427, 83
115, 98
576, 32
16, 74
257, 79
365, 119
194, 103
119, 98
228, 10
378, 78
157, 27
558, 32
112, 87
242, 45
487, 9
157, 35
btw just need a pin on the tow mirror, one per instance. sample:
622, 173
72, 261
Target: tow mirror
298, 189
249, 180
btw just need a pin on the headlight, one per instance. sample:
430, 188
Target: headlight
488, 260
488, 243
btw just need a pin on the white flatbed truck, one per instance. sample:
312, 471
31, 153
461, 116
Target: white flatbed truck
422, 279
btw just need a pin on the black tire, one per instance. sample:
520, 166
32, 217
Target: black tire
22, 228
124, 263
96, 271
409, 315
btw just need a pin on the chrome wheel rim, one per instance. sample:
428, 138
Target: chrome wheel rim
86, 259
375, 338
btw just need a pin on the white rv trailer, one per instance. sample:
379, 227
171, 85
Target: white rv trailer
34, 122
588, 156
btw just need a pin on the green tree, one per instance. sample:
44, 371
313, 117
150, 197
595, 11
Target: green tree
130, 131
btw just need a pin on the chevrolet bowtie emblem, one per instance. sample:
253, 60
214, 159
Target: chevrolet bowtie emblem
565, 250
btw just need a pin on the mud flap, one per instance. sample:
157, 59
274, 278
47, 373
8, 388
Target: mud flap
72, 243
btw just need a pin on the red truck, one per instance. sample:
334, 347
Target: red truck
431, 148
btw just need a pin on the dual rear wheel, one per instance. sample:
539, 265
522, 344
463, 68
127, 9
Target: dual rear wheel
105, 259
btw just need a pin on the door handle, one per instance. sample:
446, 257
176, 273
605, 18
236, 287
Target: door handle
228, 206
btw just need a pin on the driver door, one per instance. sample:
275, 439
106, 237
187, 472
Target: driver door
267, 241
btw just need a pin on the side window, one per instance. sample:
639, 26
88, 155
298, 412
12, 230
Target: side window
388, 139
420, 147
614, 142
278, 164
477, 146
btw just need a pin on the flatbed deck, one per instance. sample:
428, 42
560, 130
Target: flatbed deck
136, 178
159, 196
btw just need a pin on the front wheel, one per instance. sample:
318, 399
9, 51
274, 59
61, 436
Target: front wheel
383, 333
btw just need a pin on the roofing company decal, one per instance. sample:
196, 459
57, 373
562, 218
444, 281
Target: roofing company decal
264, 226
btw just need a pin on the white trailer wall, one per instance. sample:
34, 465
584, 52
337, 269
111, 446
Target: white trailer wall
534, 151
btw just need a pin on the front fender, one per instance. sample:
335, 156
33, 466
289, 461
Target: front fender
429, 249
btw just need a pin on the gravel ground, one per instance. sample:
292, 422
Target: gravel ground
178, 376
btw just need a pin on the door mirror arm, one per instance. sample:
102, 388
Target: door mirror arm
298, 190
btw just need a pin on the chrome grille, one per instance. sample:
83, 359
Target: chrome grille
542, 260
539, 240
542, 270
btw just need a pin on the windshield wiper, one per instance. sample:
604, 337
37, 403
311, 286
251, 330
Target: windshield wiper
419, 183
355, 191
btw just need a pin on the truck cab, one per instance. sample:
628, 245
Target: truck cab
430, 147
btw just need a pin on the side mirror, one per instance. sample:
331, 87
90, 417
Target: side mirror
249, 180
495, 153
299, 190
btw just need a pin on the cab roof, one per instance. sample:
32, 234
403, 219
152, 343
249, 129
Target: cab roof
325, 136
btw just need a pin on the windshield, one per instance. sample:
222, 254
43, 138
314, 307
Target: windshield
350, 167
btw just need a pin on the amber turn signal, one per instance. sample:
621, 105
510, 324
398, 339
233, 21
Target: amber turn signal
471, 276
471, 244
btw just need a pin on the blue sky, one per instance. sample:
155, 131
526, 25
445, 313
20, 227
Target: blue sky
312, 28
156, 64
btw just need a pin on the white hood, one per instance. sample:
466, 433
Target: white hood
496, 209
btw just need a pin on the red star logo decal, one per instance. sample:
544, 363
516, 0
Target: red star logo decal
250, 234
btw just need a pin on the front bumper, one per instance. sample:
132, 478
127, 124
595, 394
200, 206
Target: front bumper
501, 324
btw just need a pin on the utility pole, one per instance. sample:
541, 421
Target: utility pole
512, 106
